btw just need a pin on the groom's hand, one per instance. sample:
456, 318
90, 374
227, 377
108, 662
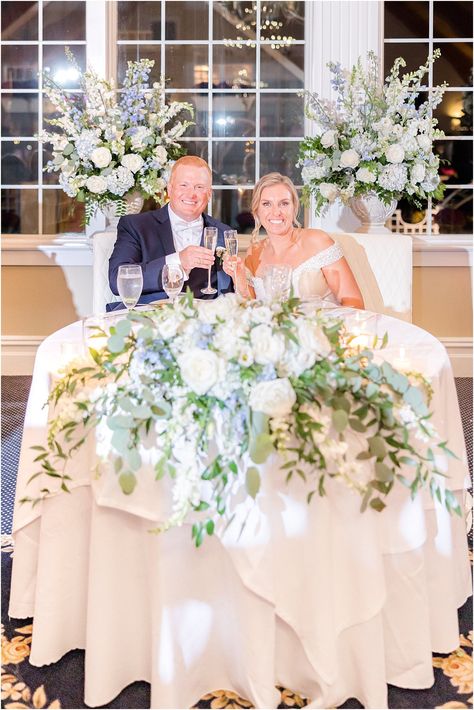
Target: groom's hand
196, 258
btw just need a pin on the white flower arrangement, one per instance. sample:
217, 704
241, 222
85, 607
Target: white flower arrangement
208, 390
112, 142
375, 137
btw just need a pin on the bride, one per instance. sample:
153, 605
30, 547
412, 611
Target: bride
317, 262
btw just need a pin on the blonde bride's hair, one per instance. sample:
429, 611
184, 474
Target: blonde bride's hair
268, 181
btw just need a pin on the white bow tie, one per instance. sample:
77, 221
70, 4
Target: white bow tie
180, 225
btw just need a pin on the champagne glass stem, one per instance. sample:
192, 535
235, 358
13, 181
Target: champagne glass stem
209, 278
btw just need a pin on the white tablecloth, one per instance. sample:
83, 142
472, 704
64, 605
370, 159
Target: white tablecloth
321, 599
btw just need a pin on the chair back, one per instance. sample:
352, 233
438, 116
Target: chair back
102, 247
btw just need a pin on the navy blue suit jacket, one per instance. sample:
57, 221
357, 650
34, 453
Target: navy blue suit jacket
146, 239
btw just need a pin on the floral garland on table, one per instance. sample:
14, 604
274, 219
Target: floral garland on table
373, 137
109, 145
252, 379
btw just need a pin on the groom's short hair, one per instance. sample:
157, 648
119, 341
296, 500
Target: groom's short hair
193, 160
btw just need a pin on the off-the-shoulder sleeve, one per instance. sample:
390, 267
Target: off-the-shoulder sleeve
330, 255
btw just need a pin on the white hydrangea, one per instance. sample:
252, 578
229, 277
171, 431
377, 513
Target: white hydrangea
120, 181
393, 177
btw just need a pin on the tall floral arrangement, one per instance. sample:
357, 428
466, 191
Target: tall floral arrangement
375, 137
206, 391
111, 142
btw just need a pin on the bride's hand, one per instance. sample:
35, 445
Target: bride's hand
233, 266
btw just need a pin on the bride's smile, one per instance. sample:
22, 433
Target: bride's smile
276, 211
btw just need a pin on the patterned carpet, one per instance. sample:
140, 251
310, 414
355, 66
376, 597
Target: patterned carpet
60, 685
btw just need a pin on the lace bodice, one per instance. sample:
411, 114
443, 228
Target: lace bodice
307, 278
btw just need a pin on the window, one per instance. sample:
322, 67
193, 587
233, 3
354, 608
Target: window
413, 30
33, 37
241, 65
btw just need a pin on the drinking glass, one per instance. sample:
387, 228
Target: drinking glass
231, 245
130, 284
277, 282
172, 277
210, 242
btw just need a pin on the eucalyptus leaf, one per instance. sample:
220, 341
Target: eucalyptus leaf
340, 419
252, 481
127, 482
116, 343
377, 447
357, 425
134, 459
260, 448
119, 421
383, 472
123, 327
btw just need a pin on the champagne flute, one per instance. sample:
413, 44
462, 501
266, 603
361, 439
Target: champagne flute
130, 284
172, 277
210, 242
232, 249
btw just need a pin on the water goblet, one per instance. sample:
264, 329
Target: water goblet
210, 242
130, 284
172, 277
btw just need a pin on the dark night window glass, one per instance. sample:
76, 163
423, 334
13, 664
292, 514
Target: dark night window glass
406, 19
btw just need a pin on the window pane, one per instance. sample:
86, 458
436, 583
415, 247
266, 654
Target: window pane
198, 148
49, 111
234, 67
414, 54
188, 65
281, 115
234, 20
233, 162
280, 157
448, 23
64, 20
406, 19
19, 162
187, 20
201, 112
455, 212
19, 114
233, 115
282, 19
61, 213
19, 20
19, 211
454, 113
139, 20
282, 68
132, 53
233, 208
459, 154
19, 67
62, 71
454, 65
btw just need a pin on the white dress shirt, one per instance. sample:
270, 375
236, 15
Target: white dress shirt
185, 234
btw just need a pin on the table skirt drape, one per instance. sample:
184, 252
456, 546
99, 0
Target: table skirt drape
152, 607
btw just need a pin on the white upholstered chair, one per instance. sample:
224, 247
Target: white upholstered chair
381, 263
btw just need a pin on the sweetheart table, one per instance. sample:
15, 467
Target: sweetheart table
322, 599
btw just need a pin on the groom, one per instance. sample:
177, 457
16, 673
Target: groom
172, 234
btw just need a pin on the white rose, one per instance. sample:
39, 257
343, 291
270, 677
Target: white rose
365, 175
273, 397
101, 157
295, 361
221, 308
267, 347
329, 191
349, 158
261, 314
424, 142
395, 153
132, 161
328, 139
417, 173
160, 154
199, 369
96, 184
312, 337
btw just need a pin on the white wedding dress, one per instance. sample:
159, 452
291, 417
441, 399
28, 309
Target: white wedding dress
307, 278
